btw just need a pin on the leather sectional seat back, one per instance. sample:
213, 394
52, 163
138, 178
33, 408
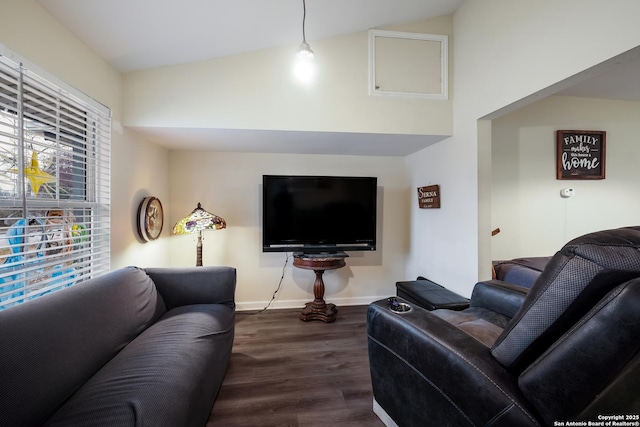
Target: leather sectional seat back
594, 369
575, 279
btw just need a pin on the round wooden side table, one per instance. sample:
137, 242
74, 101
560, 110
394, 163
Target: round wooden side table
318, 309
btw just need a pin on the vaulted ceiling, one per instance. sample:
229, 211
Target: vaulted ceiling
140, 34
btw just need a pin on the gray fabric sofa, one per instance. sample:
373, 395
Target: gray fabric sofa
133, 347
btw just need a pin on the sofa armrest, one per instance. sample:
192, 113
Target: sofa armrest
195, 285
498, 296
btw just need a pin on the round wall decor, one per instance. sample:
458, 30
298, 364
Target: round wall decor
150, 218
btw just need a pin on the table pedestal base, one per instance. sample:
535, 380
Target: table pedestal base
319, 311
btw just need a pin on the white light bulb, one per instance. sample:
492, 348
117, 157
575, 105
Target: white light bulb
304, 67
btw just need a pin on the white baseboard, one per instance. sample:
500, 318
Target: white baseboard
382, 414
259, 305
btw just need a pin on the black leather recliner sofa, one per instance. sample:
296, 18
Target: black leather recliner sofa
566, 350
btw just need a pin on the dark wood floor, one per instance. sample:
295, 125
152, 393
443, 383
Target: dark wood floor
286, 372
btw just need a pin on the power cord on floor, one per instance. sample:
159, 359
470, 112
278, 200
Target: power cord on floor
273, 297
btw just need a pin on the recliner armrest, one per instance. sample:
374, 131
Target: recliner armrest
425, 371
498, 296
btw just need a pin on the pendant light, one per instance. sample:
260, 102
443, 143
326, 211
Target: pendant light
304, 67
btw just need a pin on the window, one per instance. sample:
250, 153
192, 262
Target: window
54, 184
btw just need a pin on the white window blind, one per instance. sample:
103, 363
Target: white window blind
54, 185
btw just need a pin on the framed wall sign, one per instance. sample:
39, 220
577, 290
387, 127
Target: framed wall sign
429, 197
580, 154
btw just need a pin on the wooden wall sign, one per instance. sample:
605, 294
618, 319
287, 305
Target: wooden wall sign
429, 197
580, 154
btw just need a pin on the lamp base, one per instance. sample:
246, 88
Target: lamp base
199, 250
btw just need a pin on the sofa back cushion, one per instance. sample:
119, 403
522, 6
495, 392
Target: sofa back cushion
575, 279
52, 345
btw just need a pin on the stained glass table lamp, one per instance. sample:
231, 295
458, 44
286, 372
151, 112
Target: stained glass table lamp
197, 221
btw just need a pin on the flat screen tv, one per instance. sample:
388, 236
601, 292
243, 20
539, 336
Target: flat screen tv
317, 214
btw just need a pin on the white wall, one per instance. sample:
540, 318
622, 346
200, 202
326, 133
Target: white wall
138, 168
526, 204
505, 51
230, 185
256, 91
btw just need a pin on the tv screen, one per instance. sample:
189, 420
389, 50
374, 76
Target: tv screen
315, 214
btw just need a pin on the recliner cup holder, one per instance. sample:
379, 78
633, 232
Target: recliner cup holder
398, 307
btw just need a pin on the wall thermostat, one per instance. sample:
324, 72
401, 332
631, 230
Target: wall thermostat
567, 192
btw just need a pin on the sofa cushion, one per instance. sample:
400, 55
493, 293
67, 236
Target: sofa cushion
167, 376
482, 324
578, 276
52, 345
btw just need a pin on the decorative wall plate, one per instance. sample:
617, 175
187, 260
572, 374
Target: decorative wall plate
150, 218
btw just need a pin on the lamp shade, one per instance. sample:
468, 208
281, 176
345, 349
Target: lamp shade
199, 220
